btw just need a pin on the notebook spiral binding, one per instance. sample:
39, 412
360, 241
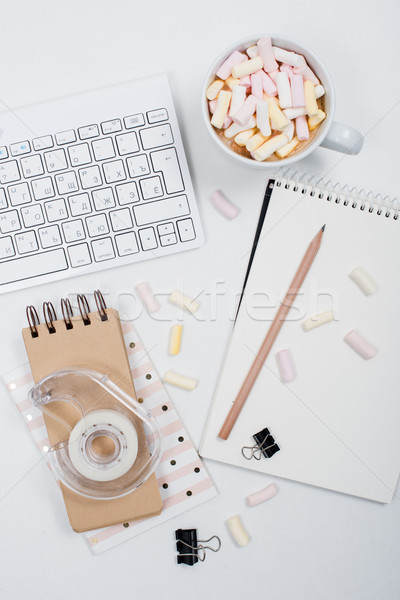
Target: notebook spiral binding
50, 315
333, 192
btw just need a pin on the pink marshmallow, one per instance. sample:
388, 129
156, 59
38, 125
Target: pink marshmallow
147, 297
302, 129
211, 106
273, 74
225, 70
257, 84
307, 73
285, 365
227, 122
286, 69
297, 85
264, 47
245, 81
269, 86
223, 205
247, 110
360, 344
262, 495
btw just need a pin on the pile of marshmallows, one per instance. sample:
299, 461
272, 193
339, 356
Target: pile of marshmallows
263, 105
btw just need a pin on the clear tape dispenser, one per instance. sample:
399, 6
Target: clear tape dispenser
103, 444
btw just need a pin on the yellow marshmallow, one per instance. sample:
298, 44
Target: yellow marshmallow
242, 138
285, 150
175, 339
255, 141
314, 121
270, 146
221, 109
231, 81
277, 118
247, 67
214, 89
311, 102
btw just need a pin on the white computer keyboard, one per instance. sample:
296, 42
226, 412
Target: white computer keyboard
93, 181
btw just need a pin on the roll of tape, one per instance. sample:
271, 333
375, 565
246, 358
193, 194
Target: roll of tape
107, 424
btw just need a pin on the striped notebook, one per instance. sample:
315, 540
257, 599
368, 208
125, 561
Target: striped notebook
182, 478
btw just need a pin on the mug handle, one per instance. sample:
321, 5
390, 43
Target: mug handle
343, 138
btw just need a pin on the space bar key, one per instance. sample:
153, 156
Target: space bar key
34, 265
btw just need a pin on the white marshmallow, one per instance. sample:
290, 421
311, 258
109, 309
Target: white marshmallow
238, 531
319, 91
235, 128
262, 112
238, 97
293, 113
252, 51
289, 58
289, 131
364, 281
284, 92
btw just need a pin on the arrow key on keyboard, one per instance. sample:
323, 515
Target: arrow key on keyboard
186, 230
148, 238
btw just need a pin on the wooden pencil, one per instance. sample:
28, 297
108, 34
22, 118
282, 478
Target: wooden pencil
271, 335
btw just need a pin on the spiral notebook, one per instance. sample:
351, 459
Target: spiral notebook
337, 422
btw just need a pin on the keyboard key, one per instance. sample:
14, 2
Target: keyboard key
90, 177
127, 193
151, 188
6, 247
3, 199
103, 198
32, 166
32, 215
134, 121
20, 148
28, 267
88, 132
9, 221
103, 149
3, 152
121, 219
43, 188
114, 171
26, 242
166, 161
66, 137
168, 240
126, 244
73, 231
56, 210
165, 228
186, 230
9, 172
153, 137
79, 155
103, 249
66, 183
111, 126
79, 255
55, 160
42, 143
79, 204
127, 143
160, 210
155, 116
97, 225
138, 165
19, 194
148, 238
50, 236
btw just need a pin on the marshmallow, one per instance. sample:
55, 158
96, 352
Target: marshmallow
248, 67
179, 299
278, 119
223, 205
235, 128
270, 146
245, 81
285, 365
293, 113
297, 87
214, 89
182, 381
225, 70
175, 339
242, 138
307, 73
273, 74
290, 58
287, 69
227, 122
319, 91
231, 82
302, 131
284, 93
211, 106
363, 280
314, 121
221, 109
262, 112
289, 131
147, 297
238, 97
246, 111
252, 51
286, 150
269, 85
358, 342
257, 84
255, 141
264, 47
262, 495
237, 530
317, 320
309, 94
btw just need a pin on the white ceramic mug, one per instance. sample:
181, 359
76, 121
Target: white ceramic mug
330, 133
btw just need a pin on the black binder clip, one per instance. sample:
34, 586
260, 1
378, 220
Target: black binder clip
190, 549
264, 446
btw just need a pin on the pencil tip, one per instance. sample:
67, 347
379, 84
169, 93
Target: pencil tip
323, 227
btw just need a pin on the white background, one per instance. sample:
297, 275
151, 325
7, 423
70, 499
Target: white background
306, 542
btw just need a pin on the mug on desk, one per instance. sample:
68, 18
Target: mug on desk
262, 66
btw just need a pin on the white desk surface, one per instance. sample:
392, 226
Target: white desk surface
306, 543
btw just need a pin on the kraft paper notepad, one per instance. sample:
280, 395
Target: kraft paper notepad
337, 423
